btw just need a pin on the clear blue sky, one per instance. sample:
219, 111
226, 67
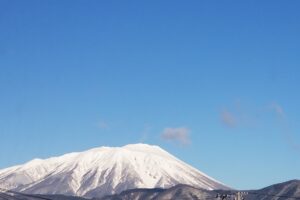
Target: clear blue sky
215, 83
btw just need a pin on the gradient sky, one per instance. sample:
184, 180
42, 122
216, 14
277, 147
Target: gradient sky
216, 83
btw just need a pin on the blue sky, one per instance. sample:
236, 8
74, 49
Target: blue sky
213, 82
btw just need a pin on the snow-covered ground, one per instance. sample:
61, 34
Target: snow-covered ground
104, 170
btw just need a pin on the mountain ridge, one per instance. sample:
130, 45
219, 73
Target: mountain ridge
280, 191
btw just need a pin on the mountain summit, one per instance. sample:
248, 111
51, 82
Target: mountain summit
103, 171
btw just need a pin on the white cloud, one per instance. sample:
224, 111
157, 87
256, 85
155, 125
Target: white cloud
180, 135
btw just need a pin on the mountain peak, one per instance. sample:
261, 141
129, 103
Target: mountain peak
137, 146
104, 170
145, 148
140, 146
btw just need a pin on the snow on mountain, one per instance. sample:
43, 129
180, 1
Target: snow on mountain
105, 170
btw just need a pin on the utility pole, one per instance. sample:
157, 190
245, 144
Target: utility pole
239, 196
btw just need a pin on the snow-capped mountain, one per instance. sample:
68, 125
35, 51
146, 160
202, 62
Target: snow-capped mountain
105, 170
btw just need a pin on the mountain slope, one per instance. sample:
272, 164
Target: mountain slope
281, 191
104, 171
179, 192
278, 191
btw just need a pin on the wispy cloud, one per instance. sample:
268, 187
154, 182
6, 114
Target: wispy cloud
277, 109
180, 135
284, 123
145, 133
228, 118
257, 116
240, 115
102, 125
